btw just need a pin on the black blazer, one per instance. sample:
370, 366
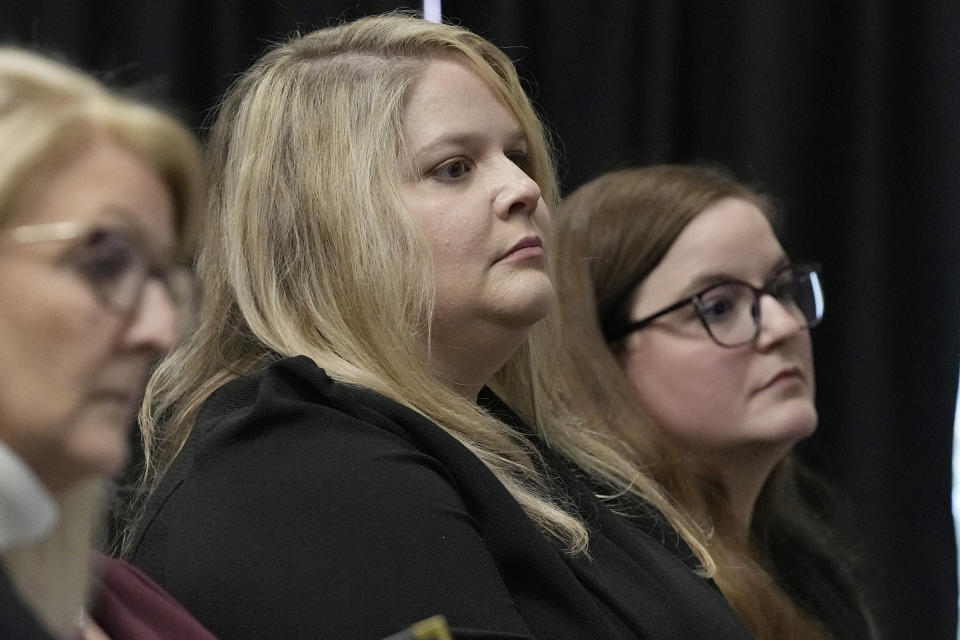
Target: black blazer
16, 621
306, 508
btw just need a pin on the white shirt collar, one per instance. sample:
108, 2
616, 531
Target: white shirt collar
27, 510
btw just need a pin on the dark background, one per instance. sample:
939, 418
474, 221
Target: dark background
848, 111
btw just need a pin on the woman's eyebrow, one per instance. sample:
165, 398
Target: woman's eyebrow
467, 139
464, 139
122, 218
708, 279
705, 281
784, 261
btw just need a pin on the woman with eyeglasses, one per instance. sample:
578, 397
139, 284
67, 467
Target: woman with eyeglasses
693, 329
98, 199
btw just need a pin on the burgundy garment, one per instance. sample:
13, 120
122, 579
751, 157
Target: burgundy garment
131, 606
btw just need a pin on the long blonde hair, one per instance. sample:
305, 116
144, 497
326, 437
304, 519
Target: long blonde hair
49, 112
611, 233
310, 251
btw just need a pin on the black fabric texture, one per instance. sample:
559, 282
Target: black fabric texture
305, 508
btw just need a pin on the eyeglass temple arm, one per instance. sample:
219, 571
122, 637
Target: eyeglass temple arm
637, 325
44, 232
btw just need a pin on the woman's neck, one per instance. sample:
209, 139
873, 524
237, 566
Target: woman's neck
741, 476
465, 363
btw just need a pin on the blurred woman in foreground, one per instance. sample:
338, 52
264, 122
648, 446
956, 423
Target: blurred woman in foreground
98, 199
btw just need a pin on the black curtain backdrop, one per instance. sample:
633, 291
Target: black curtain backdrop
848, 111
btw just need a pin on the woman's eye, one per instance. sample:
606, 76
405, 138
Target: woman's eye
784, 288
716, 308
106, 257
453, 170
723, 302
784, 291
521, 159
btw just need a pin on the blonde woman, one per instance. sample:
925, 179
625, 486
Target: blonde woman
327, 457
98, 197
690, 319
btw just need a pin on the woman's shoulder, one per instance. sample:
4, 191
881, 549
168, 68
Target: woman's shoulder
292, 379
306, 490
295, 398
289, 434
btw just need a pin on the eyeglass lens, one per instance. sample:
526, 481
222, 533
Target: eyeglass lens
113, 265
731, 311
117, 269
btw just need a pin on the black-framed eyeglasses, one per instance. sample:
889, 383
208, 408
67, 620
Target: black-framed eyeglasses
730, 310
114, 262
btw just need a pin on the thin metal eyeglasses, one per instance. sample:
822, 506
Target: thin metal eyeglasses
114, 262
730, 310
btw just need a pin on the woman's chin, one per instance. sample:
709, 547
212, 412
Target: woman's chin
93, 453
535, 302
794, 421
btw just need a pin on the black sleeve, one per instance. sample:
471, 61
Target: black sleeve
304, 522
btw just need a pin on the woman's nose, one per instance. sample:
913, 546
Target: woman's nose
517, 191
155, 323
778, 320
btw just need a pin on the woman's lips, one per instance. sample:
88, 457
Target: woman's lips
529, 247
785, 376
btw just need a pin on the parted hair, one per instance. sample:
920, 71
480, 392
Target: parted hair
310, 251
49, 113
611, 233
